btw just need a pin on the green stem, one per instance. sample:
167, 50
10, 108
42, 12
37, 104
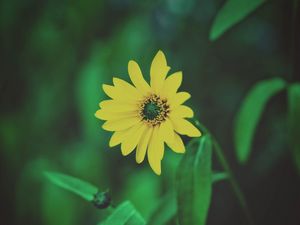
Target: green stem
235, 186
224, 163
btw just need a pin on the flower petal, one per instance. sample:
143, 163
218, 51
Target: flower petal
183, 112
177, 145
158, 71
143, 144
179, 99
132, 139
118, 137
109, 90
117, 106
108, 115
117, 93
122, 124
137, 78
155, 151
127, 88
166, 131
171, 84
182, 126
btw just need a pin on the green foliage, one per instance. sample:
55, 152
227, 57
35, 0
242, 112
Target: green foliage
294, 121
55, 57
165, 211
124, 214
89, 92
167, 208
194, 181
75, 185
67, 209
219, 177
250, 112
232, 12
139, 183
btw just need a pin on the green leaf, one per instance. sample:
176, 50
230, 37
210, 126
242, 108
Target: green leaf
232, 12
294, 121
167, 208
147, 183
124, 214
75, 185
250, 112
165, 211
194, 181
55, 202
88, 91
216, 177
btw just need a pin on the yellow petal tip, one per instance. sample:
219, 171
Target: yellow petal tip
198, 134
158, 172
138, 161
111, 144
104, 86
131, 61
156, 168
105, 127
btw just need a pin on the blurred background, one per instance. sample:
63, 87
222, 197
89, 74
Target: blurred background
55, 55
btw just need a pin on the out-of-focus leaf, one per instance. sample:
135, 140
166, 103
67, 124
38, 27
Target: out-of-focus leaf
232, 12
167, 208
165, 211
194, 181
294, 121
219, 177
89, 92
250, 112
75, 185
10, 136
147, 183
124, 214
58, 208
274, 148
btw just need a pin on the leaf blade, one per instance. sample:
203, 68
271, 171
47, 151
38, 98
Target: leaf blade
167, 208
216, 177
165, 211
73, 184
124, 214
194, 181
232, 12
250, 112
294, 121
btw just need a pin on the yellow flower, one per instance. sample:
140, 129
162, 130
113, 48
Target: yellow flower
143, 116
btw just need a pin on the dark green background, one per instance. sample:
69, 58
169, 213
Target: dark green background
55, 55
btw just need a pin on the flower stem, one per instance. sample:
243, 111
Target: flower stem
224, 163
235, 186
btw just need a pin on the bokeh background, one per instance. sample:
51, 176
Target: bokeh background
55, 55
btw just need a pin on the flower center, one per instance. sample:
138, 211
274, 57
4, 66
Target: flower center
154, 110
151, 110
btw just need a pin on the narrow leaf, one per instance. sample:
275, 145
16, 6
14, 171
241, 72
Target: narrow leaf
294, 121
194, 181
165, 211
124, 214
167, 208
250, 112
216, 177
75, 185
232, 12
